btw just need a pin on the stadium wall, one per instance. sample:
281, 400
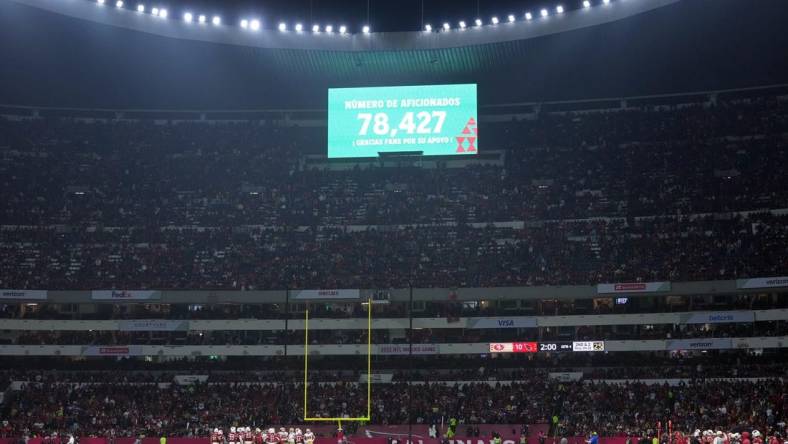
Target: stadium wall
677, 318
503, 429
766, 284
508, 438
474, 348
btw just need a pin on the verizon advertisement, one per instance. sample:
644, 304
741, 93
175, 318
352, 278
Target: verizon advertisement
699, 344
325, 294
124, 295
767, 282
28, 295
717, 317
633, 287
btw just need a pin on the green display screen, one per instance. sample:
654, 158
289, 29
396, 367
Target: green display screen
436, 120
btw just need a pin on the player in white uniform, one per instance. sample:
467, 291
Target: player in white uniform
271, 437
291, 436
216, 437
282, 435
309, 437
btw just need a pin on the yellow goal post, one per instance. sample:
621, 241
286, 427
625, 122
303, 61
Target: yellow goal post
369, 371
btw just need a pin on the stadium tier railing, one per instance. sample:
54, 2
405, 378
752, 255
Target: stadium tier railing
495, 322
754, 343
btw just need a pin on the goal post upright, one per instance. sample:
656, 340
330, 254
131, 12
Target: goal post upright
306, 356
369, 371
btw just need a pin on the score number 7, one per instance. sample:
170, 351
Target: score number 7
381, 123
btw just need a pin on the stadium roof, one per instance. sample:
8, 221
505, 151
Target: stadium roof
57, 56
353, 40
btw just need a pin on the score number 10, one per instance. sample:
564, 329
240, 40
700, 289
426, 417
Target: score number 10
428, 123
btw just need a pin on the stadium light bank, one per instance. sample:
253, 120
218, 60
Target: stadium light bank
256, 25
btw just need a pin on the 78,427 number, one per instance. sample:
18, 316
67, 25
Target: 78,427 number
421, 123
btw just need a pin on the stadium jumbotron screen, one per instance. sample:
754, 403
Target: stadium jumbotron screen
435, 120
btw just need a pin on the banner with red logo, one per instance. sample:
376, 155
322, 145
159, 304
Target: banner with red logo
513, 347
633, 287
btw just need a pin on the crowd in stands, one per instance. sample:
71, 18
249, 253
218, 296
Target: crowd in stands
567, 253
150, 408
677, 364
135, 204
141, 173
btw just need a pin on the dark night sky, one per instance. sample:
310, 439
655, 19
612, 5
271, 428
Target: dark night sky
384, 15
